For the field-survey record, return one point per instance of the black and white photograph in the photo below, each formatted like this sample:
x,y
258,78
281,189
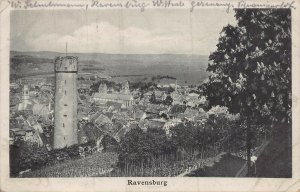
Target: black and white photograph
x,y
111,94
150,94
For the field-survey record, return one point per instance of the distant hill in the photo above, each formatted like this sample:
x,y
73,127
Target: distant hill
x,y
186,68
122,58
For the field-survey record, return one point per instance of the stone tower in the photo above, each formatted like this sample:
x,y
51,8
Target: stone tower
x,y
65,130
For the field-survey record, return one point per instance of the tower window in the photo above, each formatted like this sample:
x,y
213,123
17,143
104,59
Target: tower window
x,y
65,105
65,115
65,81
63,125
65,92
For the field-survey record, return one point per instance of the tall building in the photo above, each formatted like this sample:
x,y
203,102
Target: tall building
x,y
65,130
25,103
125,88
123,97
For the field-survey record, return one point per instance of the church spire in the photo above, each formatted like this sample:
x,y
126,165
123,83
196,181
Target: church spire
x,y
126,88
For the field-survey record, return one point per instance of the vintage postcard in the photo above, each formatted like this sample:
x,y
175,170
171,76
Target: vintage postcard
x,y
160,95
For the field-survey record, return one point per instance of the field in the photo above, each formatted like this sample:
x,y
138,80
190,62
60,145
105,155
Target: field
x,y
94,165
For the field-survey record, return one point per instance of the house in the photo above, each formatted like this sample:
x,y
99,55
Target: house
x,y
36,138
121,117
154,109
171,123
152,124
18,121
25,134
83,112
42,110
113,106
29,133
32,122
201,117
178,99
17,134
192,100
47,87
189,114
14,101
176,110
193,95
147,96
139,115
165,82
13,86
101,120
160,95
202,100
84,87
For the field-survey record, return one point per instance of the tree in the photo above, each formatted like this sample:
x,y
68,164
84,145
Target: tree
x,y
153,98
159,142
26,155
252,68
137,145
134,147
142,95
185,136
168,100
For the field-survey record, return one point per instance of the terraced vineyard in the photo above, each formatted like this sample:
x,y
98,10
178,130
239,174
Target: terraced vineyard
x,y
95,165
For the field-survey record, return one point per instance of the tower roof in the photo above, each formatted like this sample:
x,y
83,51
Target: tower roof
x,y
66,64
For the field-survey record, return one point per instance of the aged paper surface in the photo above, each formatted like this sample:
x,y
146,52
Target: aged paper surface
x,y
119,96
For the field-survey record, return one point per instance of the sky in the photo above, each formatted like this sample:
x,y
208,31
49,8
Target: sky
x,y
154,31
